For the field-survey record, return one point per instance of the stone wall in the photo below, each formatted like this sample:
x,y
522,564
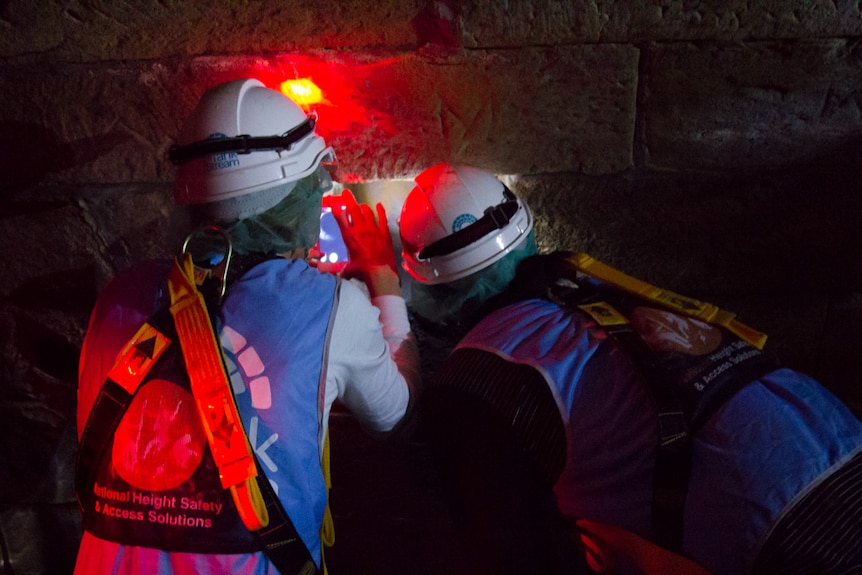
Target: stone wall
x,y
711,148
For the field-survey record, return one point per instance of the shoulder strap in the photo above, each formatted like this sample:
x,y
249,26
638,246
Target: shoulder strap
x,y
681,304
257,503
674,449
212,392
132,365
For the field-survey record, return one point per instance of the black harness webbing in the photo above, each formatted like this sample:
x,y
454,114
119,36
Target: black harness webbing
x,y
279,539
104,418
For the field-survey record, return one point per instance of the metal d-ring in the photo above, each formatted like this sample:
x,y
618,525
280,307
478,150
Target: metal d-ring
x,y
220,270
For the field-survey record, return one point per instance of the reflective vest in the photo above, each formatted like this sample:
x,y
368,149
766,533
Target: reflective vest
x,y
157,485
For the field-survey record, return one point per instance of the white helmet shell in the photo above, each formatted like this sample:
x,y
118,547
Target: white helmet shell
x,y
244,108
448,199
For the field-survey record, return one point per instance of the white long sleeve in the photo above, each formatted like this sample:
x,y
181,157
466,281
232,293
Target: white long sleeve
x,y
372,371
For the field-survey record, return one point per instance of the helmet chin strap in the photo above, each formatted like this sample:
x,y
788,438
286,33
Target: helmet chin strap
x,y
495,218
242,144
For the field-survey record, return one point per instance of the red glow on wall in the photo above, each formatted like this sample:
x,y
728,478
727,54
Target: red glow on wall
x,y
343,92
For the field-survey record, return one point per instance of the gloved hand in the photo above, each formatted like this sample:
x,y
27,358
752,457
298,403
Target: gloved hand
x,y
605,544
371,256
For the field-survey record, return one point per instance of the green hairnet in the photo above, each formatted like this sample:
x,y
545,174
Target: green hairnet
x,y
294,222
457,301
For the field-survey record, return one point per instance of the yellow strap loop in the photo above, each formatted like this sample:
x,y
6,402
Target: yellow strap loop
x,y
706,312
212,392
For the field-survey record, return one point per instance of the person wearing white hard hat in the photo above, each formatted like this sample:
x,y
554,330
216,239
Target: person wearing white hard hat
x,y
462,238
649,427
226,361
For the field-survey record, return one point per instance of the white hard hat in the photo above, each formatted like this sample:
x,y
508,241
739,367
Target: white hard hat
x,y
243,138
458,220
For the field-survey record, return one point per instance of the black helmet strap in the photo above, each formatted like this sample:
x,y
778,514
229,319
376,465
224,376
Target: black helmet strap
x,y
495,218
242,144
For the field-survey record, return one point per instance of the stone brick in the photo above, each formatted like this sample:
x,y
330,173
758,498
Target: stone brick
x,y
80,32
40,240
488,23
74,123
85,31
730,107
515,111
40,538
67,243
793,323
132,223
37,413
387,115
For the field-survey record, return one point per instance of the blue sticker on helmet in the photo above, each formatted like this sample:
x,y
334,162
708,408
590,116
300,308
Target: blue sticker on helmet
x,y
463,221
223,160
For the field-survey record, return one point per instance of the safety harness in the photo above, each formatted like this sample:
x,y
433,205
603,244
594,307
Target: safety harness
x,y
200,352
687,387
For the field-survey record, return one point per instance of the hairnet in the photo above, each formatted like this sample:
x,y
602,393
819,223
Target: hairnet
x,y
293,222
457,301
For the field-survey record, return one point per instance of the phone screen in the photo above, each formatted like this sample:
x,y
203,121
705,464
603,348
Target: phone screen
x,y
330,243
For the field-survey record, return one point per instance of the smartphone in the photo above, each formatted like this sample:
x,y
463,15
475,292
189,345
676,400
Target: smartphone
x,y
330,243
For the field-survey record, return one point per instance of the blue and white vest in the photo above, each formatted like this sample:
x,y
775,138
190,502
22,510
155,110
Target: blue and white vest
x,y
275,324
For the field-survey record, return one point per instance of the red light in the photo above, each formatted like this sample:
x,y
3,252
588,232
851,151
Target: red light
x,y
339,89
302,91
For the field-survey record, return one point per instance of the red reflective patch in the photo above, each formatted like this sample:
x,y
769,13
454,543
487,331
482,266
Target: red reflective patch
x,y
159,442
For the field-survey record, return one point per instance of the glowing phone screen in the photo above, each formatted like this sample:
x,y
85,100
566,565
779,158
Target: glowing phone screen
x,y
330,243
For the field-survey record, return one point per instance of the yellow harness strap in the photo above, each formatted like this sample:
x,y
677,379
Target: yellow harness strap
x,y
212,392
703,311
327,529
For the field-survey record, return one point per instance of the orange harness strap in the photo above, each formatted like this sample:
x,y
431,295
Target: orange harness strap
x,y
212,392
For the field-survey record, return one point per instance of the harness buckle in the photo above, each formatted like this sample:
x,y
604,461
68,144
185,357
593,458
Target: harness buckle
x,y
672,429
